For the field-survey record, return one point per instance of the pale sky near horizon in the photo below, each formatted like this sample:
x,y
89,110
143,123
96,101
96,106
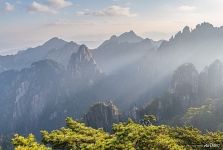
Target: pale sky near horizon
x,y
28,23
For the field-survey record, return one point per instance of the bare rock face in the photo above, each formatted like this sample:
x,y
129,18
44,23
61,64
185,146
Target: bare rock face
x,y
211,80
133,113
215,79
102,115
186,76
82,64
35,87
187,82
184,84
43,92
183,93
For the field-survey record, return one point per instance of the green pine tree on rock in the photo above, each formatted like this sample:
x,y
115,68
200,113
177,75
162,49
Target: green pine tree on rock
x,y
125,136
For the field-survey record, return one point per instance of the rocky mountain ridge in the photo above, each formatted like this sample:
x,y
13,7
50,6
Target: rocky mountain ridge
x,y
32,90
188,88
55,49
65,79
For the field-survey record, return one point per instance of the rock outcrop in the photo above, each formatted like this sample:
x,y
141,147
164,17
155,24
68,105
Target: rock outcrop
x,y
82,65
184,84
44,91
102,115
211,81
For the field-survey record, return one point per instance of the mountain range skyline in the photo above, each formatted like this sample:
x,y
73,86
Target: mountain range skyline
x,y
128,36
127,76
91,22
111,74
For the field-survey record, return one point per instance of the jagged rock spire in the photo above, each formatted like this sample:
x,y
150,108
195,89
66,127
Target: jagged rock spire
x,y
82,64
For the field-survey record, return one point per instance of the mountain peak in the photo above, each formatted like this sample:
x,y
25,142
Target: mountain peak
x,y
126,37
54,40
216,64
54,43
186,29
201,32
204,26
130,33
130,37
83,55
82,63
83,50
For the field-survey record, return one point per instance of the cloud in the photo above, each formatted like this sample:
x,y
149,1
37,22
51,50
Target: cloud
x,y
113,10
186,8
9,7
58,4
37,7
52,6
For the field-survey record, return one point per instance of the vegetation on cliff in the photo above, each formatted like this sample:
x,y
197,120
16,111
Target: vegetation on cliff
x,y
125,136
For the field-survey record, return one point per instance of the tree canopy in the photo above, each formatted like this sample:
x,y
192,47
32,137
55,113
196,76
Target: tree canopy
x,y
125,136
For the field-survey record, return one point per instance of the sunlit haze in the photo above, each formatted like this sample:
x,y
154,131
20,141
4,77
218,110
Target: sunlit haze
x,y
28,23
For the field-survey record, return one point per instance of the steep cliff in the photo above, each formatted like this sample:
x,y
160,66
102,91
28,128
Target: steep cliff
x,y
102,115
83,66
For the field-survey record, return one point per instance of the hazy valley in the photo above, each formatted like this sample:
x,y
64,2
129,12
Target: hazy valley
x,y
179,81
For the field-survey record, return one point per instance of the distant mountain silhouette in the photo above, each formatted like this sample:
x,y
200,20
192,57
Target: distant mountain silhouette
x,y
62,55
55,49
123,50
199,46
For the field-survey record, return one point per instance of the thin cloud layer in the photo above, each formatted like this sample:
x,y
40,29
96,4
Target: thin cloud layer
x,y
186,8
37,7
59,4
52,6
113,10
9,7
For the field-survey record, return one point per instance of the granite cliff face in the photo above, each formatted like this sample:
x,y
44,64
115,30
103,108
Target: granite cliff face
x,y
31,90
83,65
32,93
102,115
211,80
60,79
184,84
188,88
208,83
193,87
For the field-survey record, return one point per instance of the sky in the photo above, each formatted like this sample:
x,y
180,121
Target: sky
x,y
28,23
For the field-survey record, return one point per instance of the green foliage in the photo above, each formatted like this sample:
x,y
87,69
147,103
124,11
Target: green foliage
x,y
125,136
148,120
28,143
198,111
205,117
75,136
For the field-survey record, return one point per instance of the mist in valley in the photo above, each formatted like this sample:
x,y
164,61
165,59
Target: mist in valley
x,y
129,79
